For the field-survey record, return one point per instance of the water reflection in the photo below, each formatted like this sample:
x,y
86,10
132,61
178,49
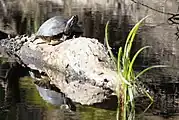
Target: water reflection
x,y
32,107
90,113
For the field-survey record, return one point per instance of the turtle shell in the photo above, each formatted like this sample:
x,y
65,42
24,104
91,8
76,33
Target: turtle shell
x,y
52,27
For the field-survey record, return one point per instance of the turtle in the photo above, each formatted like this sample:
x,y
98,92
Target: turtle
x,y
57,29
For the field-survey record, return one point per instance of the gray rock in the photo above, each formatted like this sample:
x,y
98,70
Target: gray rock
x,y
79,67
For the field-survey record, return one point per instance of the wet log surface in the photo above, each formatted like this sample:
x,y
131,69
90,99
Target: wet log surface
x,y
81,68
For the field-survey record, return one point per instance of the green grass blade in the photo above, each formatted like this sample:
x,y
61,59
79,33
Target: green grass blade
x,y
148,107
107,43
132,33
127,41
131,95
123,79
119,60
134,58
107,35
131,41
145,70
119,71
147,94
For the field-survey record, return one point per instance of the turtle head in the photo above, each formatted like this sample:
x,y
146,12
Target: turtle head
x,y
70,23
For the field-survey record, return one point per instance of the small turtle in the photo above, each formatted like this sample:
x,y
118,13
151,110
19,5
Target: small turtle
x,y
57,29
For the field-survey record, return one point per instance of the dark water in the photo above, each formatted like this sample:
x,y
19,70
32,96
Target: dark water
x,y
25,17
28,105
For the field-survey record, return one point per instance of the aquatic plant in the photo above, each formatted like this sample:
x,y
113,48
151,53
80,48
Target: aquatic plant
x,y
128,86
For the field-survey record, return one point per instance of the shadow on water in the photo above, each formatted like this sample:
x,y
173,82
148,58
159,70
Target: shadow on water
x,y
20,98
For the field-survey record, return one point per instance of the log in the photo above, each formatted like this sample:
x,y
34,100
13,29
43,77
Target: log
x,y
81,67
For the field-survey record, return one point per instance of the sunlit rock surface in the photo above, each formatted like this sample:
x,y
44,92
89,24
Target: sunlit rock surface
x,y
81,67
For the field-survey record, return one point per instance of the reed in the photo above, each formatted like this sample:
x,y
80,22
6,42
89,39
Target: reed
x,y
128,86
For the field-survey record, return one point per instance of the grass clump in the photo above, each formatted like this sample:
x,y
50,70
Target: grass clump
x,y
128,84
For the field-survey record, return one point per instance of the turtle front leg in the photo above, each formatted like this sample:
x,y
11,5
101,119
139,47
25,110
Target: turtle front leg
x,y
43,40
55,42
64,37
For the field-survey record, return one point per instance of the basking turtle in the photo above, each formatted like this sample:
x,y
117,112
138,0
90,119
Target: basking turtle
x,y
57,29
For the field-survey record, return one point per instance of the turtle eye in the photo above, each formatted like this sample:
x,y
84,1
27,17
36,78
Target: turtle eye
x,y
75,19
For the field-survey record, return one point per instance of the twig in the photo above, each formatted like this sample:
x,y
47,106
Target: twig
x,y
168,13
